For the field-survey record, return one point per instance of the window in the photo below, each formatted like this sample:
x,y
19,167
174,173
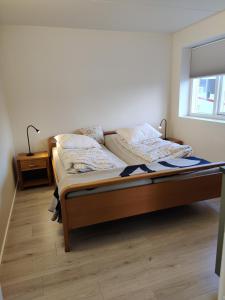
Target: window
x,y
207,97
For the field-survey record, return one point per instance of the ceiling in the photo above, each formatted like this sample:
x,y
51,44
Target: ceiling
x,y
123,15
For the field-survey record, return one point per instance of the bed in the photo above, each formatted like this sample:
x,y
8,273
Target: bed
x,y
106,196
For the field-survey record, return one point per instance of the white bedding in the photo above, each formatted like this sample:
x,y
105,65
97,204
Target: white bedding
x,y
121,152
85,160
62,172
149,151
63,179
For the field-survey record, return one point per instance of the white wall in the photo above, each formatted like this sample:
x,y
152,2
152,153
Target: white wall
x,y
60,79
7,186
207,138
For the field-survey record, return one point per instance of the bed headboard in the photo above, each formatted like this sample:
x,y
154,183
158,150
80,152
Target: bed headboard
x,y
51,144
52,141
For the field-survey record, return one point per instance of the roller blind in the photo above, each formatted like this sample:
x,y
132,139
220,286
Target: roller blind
x,y
208,59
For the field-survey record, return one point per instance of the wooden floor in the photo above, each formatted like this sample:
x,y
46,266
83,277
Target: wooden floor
x,y
168,255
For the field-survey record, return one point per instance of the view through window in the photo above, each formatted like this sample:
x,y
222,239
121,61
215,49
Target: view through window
x,y
208,96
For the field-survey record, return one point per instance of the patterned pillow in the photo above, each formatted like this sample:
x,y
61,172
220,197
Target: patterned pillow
x,y
96,132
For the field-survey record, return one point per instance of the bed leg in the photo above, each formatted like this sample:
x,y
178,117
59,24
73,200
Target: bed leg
x,y
66,241
67,248
66,229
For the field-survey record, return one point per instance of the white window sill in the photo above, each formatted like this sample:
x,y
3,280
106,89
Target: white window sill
x,y
220,121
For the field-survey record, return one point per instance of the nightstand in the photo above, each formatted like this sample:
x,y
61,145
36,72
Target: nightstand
x,y
33,170
174,140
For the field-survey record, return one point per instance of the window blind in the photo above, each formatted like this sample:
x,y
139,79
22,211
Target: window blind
x,y
208,59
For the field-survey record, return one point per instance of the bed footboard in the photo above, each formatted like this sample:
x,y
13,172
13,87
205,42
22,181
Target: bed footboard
x,y
96,208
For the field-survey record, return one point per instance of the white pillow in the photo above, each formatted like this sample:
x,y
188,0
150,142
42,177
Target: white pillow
x,y
138,133
149,132
96,132
131,135
76,141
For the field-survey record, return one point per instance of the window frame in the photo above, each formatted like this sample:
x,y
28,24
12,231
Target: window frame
x,y
216,115
222,81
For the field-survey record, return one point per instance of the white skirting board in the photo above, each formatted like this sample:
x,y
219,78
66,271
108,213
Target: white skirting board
x,y
222,275
7,227
1,297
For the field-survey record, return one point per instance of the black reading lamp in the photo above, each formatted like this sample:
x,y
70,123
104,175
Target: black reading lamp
x,y
28,140
160,127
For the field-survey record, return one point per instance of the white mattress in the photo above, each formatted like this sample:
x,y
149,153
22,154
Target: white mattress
x,y
111,142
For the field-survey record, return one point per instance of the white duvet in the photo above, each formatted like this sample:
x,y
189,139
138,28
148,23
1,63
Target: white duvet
x,y
85,160
157,149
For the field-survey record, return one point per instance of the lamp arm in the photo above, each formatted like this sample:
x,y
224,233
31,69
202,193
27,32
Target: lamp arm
x,y
28,139
32,127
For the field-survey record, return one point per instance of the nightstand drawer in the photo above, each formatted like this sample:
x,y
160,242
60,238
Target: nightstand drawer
x,y
32,164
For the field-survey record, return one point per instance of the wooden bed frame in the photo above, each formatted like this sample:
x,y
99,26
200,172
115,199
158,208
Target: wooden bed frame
x,y
85,210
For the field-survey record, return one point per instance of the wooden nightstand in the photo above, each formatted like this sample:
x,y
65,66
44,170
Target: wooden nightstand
x,y
33,170
174,140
